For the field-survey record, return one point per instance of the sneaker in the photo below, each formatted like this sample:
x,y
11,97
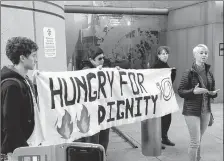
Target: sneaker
x,y
168,142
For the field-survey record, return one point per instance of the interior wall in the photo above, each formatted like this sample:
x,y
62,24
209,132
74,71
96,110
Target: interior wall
x,y
129,41
200,26
58,24
218,60
27,19
20,24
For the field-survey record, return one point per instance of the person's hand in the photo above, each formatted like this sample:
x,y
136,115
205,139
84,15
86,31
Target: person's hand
x,y
11,157
99,67
93,62
198,90
173,71
117,67
213,92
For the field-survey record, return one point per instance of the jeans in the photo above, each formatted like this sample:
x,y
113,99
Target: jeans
x,y
104,138
196,126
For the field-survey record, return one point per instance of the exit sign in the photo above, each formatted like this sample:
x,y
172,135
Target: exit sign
x,y
221,49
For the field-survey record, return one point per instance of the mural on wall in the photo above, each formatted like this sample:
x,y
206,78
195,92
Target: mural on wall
x,y
138,53
125,41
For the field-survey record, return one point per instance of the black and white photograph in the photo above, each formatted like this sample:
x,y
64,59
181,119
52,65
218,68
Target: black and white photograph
x,y
112,80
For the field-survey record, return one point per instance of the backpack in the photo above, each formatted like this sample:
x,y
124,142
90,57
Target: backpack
x,y
13,79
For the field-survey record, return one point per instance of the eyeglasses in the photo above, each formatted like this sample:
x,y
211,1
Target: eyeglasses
x,y
101,58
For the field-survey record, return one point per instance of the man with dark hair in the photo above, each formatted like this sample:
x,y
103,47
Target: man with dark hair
x,y
18,101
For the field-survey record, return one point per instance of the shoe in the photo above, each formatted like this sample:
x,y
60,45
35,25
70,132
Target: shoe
x,y
163,147
168,142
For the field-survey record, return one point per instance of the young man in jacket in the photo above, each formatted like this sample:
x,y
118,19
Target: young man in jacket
x,y
17,94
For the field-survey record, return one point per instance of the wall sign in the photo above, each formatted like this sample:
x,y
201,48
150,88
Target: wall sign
x,y
221,49
49,42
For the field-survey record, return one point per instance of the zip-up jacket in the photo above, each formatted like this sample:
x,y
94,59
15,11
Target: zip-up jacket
x,y
17,114
193,102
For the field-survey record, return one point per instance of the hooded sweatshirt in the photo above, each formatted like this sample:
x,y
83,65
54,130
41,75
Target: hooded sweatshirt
x,y
17,112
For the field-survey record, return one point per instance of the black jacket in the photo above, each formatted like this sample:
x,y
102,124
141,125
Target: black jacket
x,y
17,114
193,102
161,64
86,64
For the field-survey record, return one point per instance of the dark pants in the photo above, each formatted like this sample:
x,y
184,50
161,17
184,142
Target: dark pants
x,y
104,138
101,138
165,125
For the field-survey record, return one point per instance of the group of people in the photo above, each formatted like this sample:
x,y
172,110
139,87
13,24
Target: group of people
x,y
19,96
197,87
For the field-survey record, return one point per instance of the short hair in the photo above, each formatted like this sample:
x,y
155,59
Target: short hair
x,y
17,46
166,48
95,51
198,48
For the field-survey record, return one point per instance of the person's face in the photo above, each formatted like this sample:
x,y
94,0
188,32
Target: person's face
x,y
29,61
201,56
163,56
99,60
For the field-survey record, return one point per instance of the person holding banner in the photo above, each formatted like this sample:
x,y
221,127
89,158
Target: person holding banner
x,y
96,59
197,87
161,62
18,101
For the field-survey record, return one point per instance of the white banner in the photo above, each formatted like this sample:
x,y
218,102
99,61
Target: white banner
x,y
81,103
